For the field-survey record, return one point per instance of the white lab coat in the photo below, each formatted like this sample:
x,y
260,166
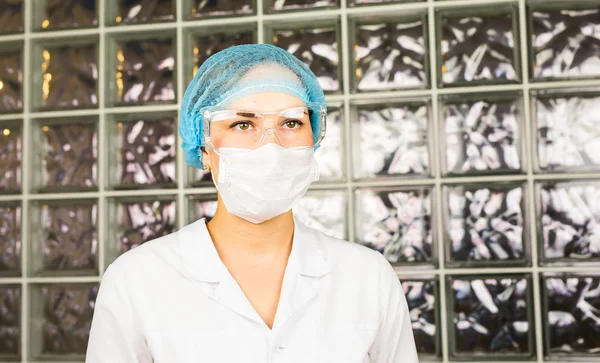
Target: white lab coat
x,y
172,300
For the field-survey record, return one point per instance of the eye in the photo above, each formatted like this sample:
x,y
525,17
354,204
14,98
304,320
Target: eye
x,y
242,126
293,124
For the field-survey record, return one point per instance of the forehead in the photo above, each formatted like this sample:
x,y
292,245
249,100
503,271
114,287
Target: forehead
x,y
265,102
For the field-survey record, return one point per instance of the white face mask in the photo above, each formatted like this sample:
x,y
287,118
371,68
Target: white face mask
x,y
263,183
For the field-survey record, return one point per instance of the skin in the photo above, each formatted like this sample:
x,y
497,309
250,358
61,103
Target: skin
x,y
256,255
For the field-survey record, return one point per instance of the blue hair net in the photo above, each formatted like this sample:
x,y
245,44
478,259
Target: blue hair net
x,y
222,79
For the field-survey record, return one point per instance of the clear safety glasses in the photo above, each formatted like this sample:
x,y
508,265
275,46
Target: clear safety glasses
x,y
299,126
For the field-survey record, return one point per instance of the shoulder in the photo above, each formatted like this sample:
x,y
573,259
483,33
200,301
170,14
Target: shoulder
x,y
151,262
349,258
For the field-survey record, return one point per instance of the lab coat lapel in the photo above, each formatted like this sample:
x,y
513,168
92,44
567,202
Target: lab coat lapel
x,y
307,265
230,295
201,263
306,268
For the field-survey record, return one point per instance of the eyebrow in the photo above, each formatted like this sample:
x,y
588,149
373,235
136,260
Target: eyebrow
x,y
247,114
253,114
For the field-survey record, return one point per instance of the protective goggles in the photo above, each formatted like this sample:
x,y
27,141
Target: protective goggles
x,y
299,126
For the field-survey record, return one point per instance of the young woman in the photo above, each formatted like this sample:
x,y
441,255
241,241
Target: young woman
x,y
253,284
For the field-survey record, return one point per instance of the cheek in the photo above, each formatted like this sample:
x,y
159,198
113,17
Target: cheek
x,y
214,164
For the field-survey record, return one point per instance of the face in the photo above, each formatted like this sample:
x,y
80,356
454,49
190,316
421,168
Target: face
x,y
261,102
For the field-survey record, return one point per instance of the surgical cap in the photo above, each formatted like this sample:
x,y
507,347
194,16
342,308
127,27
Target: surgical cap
x,y
237,72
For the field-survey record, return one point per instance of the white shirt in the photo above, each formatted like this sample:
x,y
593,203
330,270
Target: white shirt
x,y
172,300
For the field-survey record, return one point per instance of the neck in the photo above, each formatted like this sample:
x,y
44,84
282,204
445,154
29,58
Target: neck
x,y
233,235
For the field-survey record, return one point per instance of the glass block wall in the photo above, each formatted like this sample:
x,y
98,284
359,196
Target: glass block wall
x,y
463,144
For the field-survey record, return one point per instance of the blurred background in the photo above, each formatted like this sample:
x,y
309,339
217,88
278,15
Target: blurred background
x,y
463,144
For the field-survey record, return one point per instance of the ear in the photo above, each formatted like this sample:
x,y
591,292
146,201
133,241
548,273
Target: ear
x,y
205,157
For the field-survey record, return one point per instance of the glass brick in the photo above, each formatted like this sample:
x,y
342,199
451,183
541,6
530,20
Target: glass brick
x,y
485,225
68,154
323,211
567,132
144,11
390,54
206,45
564,41
203,206
571,311
136,221
10,240
10,157
203,8
64,238
477,46
421,296
490,317
329,155
393,140
279,5
199,177
397,223
68,78
145,71
481,135
10,323
11,16
11,81
54,15
144,152
317,47
569,221
61,320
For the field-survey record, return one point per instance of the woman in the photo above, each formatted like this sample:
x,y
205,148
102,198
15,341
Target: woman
x,y
253,284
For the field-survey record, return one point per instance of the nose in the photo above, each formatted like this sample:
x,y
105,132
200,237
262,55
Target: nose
x,y
269,136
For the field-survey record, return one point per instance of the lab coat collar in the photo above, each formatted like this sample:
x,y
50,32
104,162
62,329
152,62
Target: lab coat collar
x,y
201,261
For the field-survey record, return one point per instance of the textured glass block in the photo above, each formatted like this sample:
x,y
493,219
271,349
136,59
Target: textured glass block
x,y
69,76
397,223
66,14
485,224
323,211
278,5
481,136
68,238
571,315
203,8
390,55
11,16
317,47
478,47
10,240
143,11
569,221
10,157
421,296
145,153
203,206
69,156
490,316
142,221
565,41
393,140
10,322
206,45
200,177
567,132
11,81
329,155
145,71
64,319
